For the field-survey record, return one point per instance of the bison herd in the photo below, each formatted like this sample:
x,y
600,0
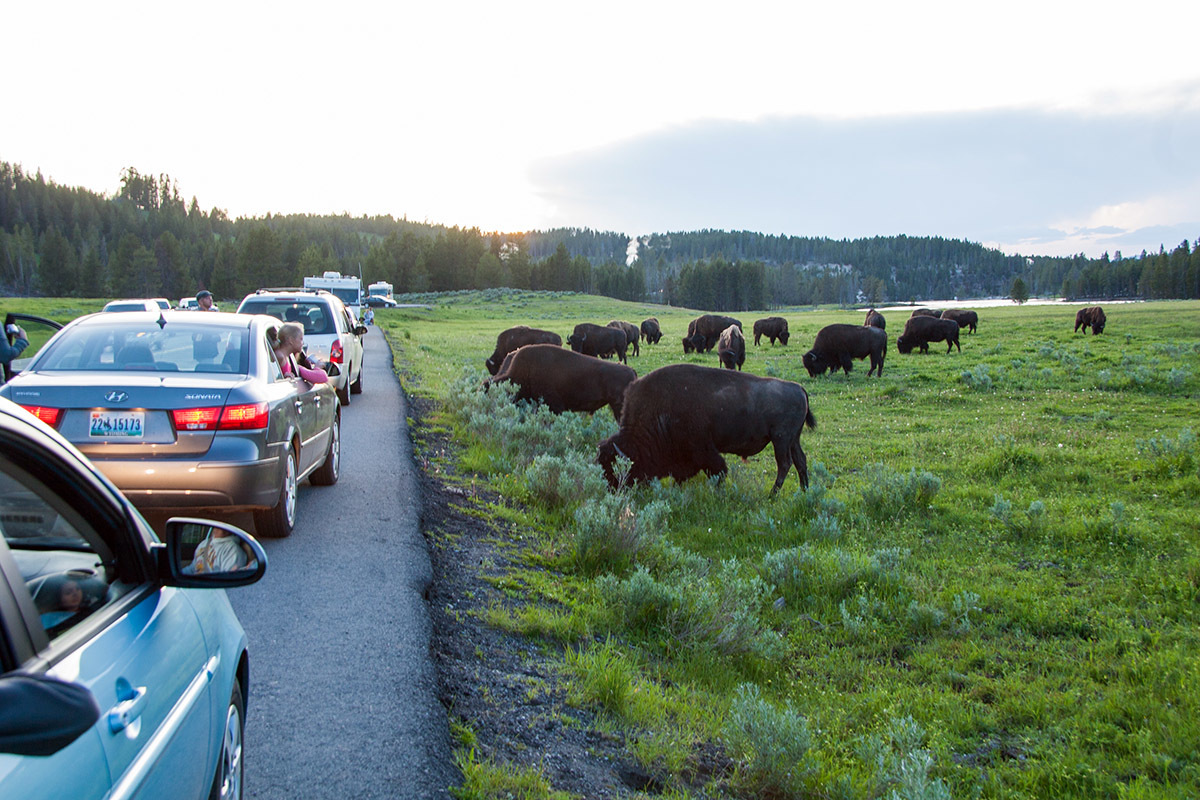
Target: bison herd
x,y
678,420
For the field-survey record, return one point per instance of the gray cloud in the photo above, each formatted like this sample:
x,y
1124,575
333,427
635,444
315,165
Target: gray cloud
x,y
997,176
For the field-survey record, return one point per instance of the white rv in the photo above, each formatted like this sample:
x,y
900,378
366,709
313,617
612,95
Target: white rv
x,y
347,288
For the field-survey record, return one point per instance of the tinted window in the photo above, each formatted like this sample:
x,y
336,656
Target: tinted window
x,y
314,315
173,348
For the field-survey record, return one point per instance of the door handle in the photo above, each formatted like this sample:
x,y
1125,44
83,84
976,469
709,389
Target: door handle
x,y
127,710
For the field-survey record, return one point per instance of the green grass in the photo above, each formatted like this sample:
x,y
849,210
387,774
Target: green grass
x,y
992,587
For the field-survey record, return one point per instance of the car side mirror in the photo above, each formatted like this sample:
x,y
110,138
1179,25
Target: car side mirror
x,y
204,554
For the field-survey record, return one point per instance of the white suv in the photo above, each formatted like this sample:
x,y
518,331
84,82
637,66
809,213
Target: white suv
x,y
330,333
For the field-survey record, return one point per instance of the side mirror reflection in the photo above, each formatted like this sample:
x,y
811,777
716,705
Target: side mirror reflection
x,y
202,552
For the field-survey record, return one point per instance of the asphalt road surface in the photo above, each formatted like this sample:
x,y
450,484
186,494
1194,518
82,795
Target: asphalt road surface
x,y
343,695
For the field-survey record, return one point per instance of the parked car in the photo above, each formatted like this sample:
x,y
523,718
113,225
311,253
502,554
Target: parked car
x,y
93,603
186,411
132,305
188,304
330,331
379,301
163,303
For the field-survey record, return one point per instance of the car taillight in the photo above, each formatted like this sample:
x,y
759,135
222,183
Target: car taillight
x,y
245,418
50,416
196,419
335,352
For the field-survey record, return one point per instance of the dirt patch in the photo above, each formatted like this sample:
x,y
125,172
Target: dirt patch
x,y
505,688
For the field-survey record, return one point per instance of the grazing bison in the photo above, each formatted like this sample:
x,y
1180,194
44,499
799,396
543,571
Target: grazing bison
x,y
731,347
925,312
633,334
875,320
839,344
519,336
651,332
773,328
709,327
679,419
1092,316
964,318
920,331
598,340
565,380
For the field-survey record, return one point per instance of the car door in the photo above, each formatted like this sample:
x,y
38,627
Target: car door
x,y
136,644
39,330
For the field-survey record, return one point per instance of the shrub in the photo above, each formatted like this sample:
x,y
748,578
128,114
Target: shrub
x,y
978,379
609,533
830,574
924,618
900,764
960,609
890,494
602,676
772,745
1170,456
557,481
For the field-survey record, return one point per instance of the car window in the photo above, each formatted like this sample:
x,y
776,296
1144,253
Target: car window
x,y
68,570
314,315
177,347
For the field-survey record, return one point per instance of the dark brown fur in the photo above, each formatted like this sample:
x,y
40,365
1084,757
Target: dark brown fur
x,y
925,312
679,419
651,331
731,348
1093,317
773,328
513,338
965,319
598,340
633,334
565,380
920,331
875,320
709,326
839,344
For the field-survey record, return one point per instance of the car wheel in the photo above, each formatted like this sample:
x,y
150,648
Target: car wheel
x,y
327,473
227,782
344,392
357,386
277,522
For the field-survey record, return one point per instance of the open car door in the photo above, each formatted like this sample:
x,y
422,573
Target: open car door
x,y
38,329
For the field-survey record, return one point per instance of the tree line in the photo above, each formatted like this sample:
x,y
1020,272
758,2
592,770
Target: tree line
x,y
146,241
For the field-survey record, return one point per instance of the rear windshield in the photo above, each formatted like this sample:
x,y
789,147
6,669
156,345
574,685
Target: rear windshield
x,y
125,307
176,347
315,316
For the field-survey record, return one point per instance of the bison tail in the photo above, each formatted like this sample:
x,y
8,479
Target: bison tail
x,y
810,420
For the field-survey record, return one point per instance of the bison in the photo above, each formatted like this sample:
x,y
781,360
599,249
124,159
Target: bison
x,y
519,336
839,344
679,419
773,328
925,312
708,327
1092,316
598,340
565,380
633,334
731,347
920,331
875,320
964,318
651,332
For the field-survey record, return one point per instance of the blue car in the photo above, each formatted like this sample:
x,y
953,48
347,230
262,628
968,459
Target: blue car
x,y
123,668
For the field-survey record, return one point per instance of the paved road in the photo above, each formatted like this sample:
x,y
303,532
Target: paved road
x,y
343,700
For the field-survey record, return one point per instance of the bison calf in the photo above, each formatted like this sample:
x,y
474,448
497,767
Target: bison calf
x,y
920,331
839,344
679,419
731,348
565,380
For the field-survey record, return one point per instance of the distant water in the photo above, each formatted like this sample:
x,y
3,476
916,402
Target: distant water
x,y
994,302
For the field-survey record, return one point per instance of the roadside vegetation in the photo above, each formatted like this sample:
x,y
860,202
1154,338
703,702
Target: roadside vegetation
x,y
990,589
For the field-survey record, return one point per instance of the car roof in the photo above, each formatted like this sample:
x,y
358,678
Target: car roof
x,y
220,319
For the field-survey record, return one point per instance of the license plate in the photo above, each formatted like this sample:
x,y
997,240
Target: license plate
x,y
126,424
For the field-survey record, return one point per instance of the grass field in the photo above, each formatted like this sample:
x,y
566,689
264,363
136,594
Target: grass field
x,y
991,588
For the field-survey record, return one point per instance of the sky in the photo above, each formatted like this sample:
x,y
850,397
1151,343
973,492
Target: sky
x,y
1039,128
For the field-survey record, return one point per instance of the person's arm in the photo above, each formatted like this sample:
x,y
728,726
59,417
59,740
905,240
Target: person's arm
x,y
10,351
313,375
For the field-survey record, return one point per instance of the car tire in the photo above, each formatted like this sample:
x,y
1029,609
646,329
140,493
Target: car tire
x,y
228,778
357,386
278,522
327,473
343,393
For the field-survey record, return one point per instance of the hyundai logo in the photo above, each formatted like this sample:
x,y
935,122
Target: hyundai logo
x,y
116,397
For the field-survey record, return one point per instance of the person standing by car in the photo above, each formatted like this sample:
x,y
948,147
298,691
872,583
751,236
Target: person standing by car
x,y
10,351
204,299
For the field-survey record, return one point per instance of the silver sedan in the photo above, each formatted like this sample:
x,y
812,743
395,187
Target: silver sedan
x,y
186,412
